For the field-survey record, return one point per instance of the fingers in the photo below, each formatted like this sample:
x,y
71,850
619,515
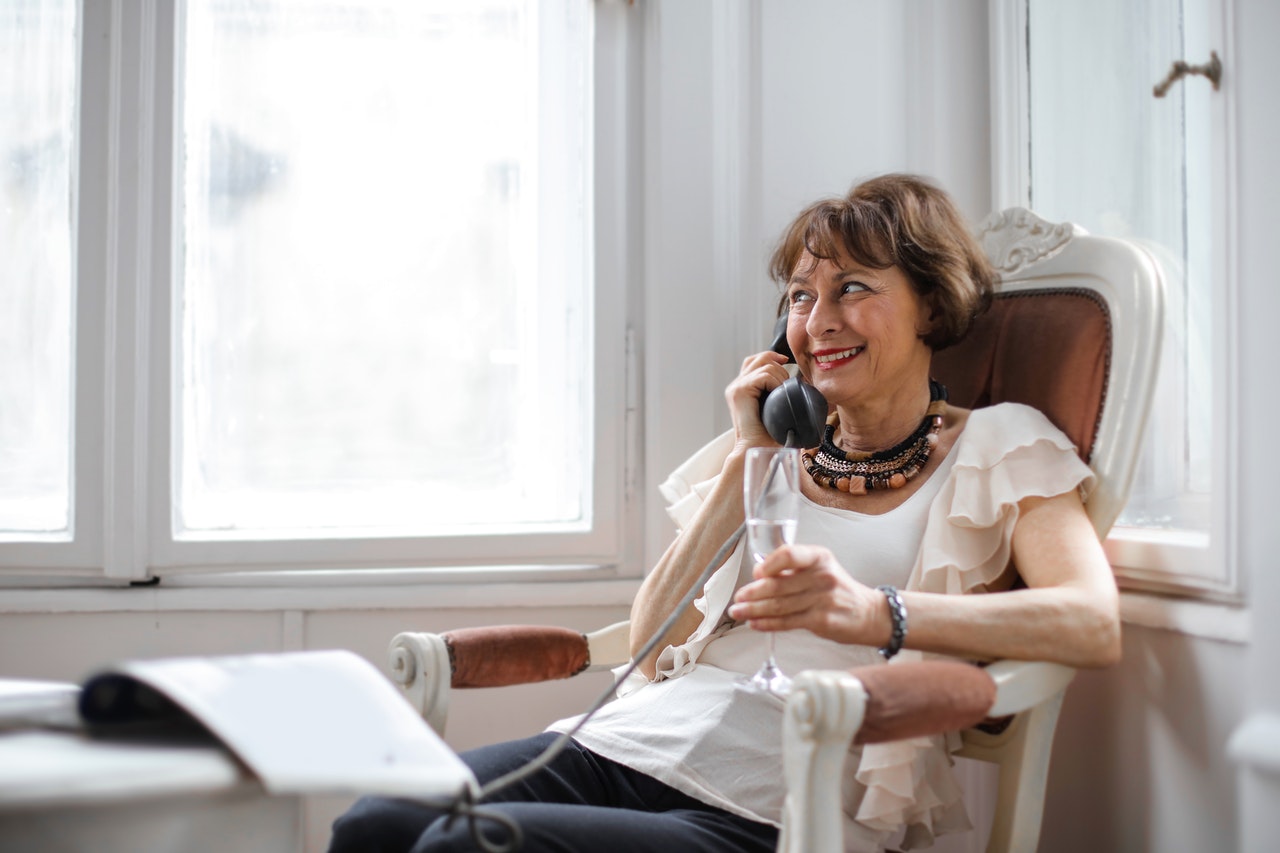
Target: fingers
x,y
767,357
792,581
792,558
781,611
760,374
804,586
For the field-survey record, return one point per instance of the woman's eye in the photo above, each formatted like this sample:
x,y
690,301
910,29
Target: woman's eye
x,y
799,298
853,287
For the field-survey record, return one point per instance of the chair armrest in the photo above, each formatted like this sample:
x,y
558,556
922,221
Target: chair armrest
x,y
428,666
925,698
501,655
609,646
827,710
1022,684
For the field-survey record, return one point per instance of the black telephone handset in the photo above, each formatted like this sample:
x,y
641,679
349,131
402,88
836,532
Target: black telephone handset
x,y
795,412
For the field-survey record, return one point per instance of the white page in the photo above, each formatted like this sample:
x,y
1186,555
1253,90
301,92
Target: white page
x,y
309,722
25,703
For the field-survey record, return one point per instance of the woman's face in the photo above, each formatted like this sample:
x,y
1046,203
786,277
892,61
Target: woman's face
x,y
855,331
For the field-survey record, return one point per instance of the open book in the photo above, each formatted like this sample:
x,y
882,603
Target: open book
x,y
302,722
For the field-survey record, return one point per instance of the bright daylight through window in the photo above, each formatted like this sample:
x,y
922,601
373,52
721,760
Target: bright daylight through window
x,y
37,102
384,267
1108,155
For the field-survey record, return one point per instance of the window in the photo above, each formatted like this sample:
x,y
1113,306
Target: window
x,y
1097,148
37,109
352,312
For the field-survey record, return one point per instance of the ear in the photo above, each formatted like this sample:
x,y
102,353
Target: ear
x,y
926,320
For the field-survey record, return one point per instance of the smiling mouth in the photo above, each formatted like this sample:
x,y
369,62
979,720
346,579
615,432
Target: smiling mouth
x,y
831,357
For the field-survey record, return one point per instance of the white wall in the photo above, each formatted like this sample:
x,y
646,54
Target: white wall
x,y
1255,29
1140,758
753,109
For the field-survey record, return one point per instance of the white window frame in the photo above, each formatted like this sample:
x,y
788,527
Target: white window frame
x,y
126,257
1189,563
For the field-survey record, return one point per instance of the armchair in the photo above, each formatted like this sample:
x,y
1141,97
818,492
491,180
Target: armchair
x,y
1075,332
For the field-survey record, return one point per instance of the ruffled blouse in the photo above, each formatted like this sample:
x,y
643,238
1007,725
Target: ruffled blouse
x,y
1005,453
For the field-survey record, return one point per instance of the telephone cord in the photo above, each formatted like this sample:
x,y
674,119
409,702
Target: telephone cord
x,y
473,812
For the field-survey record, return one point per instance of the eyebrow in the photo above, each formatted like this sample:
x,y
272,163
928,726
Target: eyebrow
x,y
859,270
844,273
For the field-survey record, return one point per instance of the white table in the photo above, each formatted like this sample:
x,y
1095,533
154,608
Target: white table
x,y
309,723
62,791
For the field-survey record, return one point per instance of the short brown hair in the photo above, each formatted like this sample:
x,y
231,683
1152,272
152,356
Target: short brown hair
x,y
903,221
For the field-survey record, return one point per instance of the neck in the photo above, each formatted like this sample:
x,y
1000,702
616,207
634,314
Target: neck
x,y
877,425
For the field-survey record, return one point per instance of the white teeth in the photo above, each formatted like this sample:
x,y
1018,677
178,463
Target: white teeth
x,y
835,356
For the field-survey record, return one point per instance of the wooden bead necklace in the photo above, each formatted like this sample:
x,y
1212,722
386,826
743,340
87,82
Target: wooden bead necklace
x,y
858,472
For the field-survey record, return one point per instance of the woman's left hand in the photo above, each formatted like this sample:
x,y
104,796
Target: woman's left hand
x,y
803,586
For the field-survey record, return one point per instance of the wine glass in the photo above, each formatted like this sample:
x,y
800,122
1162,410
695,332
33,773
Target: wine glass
x,y
771,491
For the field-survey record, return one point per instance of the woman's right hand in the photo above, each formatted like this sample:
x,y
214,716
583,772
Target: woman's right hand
x,y
760,374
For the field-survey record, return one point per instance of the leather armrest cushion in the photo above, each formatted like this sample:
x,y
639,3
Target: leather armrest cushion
x,y
925,698
514,654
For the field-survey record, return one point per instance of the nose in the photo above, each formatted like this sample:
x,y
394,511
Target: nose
x,y
823,319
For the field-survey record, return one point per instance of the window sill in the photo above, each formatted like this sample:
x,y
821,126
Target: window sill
x,y
407,589
1207,620
1171,562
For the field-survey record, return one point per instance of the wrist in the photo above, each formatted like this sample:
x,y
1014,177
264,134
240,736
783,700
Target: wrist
x,y
893,613
745,442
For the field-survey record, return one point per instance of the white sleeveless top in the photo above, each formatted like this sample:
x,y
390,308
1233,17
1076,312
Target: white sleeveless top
x,y
697,729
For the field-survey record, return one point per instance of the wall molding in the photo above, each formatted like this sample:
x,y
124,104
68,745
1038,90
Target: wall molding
x,y
294,593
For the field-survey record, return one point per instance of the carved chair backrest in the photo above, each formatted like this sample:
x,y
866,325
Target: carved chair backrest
x,y
1075,332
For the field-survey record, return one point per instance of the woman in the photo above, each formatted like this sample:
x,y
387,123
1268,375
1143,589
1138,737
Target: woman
x,y
906,503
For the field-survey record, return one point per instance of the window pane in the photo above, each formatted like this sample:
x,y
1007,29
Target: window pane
x,y
384,308
1107,154
37,100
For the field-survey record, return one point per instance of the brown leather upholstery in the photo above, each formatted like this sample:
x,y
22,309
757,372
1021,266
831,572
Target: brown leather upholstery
x,y
1048,349
922,698
514,654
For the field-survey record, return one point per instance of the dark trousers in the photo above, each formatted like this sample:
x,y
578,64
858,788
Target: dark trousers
x,y
580,803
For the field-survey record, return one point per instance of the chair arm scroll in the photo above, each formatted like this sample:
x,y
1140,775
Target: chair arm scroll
x,y
420,665
824,710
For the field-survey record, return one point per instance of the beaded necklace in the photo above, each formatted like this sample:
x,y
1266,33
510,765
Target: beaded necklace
x,y
858,472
